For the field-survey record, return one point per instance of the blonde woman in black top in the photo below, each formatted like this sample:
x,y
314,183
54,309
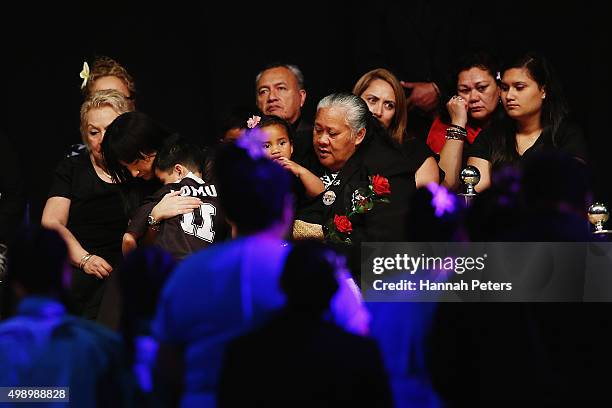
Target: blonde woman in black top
x,y
84,205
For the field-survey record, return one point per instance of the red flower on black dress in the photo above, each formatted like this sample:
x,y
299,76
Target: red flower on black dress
x,y
380,185
340,227
343,224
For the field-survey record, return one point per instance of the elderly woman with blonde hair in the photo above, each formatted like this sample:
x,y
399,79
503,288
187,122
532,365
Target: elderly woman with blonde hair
x,y
85,206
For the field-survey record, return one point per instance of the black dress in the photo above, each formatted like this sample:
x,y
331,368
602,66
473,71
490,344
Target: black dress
x,y
97,220
385,222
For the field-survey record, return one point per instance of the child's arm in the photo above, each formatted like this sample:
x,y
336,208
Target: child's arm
x,y
138,229
312,184
129,243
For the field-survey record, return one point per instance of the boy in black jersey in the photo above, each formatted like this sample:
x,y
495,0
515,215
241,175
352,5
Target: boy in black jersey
x,y
179,166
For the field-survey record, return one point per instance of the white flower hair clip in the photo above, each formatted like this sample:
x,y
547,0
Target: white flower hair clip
x,y
253,121
84,74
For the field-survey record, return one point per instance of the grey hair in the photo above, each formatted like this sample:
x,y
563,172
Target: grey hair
x,y
357,111
293,68
108,97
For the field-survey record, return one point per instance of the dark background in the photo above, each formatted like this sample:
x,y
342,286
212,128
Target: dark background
x,y
192,64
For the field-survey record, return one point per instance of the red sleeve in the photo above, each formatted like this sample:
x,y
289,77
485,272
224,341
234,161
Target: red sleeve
x,y
437,135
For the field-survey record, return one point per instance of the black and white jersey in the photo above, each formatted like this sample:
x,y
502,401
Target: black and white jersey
x,y
187,233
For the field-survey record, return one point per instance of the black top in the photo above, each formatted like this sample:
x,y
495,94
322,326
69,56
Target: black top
x,y
416,151
97,219
385,221
569,139
187,233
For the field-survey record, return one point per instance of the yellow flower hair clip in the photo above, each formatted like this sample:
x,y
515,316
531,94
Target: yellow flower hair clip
x,y
84,74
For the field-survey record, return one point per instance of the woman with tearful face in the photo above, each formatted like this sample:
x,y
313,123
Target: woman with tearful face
x,y
474,107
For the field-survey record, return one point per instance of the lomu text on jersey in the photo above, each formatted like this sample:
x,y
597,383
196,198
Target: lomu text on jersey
x,y
208,190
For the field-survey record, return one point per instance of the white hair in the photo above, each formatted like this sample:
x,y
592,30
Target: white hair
x,y
357,111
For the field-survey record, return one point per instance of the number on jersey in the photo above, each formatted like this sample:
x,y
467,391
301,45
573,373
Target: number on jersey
x,y
199,222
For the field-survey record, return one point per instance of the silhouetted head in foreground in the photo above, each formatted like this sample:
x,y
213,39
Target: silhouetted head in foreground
x,y
309,278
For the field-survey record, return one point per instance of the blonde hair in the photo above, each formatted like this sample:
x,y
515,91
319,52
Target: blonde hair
x,y
106,66
397,127
107,97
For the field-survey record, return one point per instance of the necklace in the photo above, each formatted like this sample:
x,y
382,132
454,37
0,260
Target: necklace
x,y
97,167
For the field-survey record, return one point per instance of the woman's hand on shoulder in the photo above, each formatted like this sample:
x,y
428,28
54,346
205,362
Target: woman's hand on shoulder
x,y
173,204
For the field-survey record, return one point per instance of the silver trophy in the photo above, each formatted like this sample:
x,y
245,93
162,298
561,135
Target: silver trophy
x,y
470,176
598,215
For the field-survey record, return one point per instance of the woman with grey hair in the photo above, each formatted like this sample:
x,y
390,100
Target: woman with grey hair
x,y
367,182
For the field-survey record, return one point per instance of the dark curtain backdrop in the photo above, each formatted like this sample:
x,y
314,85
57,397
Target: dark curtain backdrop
x,y
193,63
